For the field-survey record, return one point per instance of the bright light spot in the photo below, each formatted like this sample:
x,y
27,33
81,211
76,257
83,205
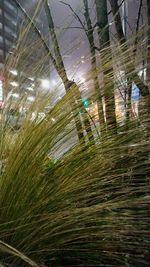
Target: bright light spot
x,y
30,98
41,115
86,103
45,83
142,73
21,109
83,80
53,119
15,95
14,72
33,116
30,89
15,84
82,61
53,82
31,78
1,91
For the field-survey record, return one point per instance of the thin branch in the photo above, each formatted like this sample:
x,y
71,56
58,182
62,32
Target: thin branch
x,y
97,48
66,28
139,15
75,14
118,6
38,33
137,26
111,12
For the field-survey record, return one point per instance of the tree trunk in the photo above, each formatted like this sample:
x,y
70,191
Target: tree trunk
x,y
117,20
103,32
77,107
148,51
93,66
63,75
129,62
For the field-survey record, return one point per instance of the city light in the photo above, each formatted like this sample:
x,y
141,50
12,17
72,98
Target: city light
x,y
142,72
15,84
30,98
15,95
30,89
14,72
86,103
1,91
82,80
45,83
31,78
53,82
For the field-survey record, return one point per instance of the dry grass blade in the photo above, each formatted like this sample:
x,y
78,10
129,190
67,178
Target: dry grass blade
x,y
10,250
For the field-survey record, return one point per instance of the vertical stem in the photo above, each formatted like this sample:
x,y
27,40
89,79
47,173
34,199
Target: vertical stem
x,y
93,66
103,32
148,50
62,73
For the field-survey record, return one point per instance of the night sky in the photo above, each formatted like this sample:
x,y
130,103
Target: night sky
x,y
73,41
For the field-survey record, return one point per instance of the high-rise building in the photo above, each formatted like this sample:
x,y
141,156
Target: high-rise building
x,y
8,27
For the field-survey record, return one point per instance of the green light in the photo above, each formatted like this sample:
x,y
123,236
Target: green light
x,y
86,103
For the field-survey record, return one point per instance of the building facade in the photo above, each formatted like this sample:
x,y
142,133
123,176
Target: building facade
x,y
8,28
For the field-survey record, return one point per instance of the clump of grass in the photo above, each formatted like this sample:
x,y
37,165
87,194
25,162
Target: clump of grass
x,y
89,208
